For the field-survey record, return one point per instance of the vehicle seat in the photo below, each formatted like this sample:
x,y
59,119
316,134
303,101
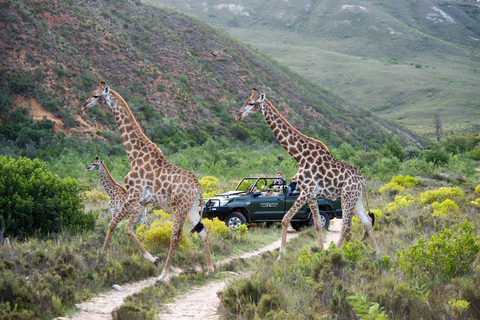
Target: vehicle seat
x,y
264,191
276,191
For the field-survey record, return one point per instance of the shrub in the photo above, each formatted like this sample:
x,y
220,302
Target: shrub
x,y
399,183
35,201
436,154
440,194
216,226
400,202
95,196
209,186
477,189
446,255
157,236
445,208
365,309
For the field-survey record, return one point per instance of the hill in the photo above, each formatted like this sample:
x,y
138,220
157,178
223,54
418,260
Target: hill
x,y
183,79
402,60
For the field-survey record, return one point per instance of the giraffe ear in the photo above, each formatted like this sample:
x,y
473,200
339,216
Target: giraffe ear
x,y
101,161
107,89
262,97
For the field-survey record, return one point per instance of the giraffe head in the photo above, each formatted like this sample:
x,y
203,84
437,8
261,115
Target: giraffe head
x,y
251,105
96,165
97,96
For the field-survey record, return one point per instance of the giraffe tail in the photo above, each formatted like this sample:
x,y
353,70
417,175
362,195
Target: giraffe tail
x,y
370,214
199,226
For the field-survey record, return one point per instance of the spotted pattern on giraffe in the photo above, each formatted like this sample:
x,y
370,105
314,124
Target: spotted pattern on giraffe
x,y
319,173
152,179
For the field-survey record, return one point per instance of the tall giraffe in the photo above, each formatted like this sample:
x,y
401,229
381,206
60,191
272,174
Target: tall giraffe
x,y
152,179
319,173
116,192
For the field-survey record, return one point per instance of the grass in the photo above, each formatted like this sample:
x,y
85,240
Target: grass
x,y
401,93
75,268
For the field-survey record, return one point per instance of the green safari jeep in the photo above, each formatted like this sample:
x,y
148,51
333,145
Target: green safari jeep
x,y
254,200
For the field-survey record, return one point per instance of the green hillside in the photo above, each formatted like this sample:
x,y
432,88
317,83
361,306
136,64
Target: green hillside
x,y
402,60
161,62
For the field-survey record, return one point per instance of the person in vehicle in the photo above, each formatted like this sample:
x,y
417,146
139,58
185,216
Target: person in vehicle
x,y
292,186
279,181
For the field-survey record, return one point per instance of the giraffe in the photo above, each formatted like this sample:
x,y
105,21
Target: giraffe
x,y
319,173
152,179
117,193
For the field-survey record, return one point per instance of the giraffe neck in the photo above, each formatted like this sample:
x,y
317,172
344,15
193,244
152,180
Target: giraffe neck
x,y
135,142
289,137
111,186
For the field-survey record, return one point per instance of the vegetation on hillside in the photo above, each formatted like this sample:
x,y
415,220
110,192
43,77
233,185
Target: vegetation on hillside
x,y
403,61
161,62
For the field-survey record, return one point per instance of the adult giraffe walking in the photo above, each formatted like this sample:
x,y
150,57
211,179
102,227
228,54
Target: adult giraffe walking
x,y
319,173
152,179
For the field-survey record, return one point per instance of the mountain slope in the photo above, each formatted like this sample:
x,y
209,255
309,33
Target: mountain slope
x,y
403,60
179,75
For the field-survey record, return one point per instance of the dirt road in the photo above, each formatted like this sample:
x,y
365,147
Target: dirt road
x,y
198,303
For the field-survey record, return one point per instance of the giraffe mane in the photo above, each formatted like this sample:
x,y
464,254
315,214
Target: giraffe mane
x,y
134,122
321,144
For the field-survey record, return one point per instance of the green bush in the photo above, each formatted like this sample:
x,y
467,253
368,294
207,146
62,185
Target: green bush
x,y
440,194
445,256
398,183
35,201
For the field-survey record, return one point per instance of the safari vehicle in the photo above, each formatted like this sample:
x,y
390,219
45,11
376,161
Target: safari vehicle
x,y
254,201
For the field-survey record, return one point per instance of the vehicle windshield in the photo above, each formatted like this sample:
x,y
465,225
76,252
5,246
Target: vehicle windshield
x,y
249,184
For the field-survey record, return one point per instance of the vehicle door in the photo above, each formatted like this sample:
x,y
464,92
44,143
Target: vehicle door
x,y
267,208
302,214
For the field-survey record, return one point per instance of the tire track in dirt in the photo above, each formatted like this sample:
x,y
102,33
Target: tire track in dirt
x,y
197,303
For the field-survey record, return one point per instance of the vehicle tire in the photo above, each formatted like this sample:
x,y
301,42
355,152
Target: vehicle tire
x,y
235,219
323,217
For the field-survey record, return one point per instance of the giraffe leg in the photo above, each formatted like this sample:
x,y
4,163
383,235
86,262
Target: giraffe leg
x,y
139,210
347,213
144,219
195,219
313,204
177,228
127,206
300,202
367,223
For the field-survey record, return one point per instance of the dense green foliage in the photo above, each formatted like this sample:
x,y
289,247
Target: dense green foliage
x,y
35,201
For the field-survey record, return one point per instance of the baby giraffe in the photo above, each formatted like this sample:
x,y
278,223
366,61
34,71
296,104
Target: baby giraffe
x,y
117,193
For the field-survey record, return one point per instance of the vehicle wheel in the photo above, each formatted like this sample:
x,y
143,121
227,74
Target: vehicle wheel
x,y
325,219
235,219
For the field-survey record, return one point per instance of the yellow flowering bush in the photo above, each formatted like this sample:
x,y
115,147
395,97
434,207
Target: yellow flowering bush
x,y
209,186
216,226
445,208
476,203
400,202
95,196
399,183
440,194
477,189
157,237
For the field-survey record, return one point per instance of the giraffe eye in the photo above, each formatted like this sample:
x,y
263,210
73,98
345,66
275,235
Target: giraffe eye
x,y
96,97
252,104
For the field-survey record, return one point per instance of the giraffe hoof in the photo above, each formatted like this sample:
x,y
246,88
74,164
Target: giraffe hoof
x,y
160,280
156,262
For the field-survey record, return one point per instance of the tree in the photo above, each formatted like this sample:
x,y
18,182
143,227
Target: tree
x,y
437,125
